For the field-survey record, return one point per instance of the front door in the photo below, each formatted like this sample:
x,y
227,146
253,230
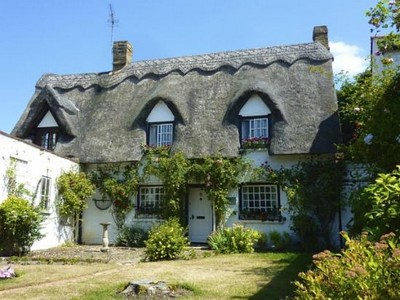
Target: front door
x,y
200,216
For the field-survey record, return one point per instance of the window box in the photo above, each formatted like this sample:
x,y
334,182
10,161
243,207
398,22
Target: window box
x,y
256,143
259,215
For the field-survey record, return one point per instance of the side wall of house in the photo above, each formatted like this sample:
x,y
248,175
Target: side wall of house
x,y
31,165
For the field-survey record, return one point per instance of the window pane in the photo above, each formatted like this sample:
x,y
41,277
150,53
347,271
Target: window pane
x,y
44,192
257,199
150,200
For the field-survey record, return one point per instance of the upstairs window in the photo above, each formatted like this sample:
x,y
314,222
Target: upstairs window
x,y
47,138
47,132
160,124
45,192
254,130
161,134
254,127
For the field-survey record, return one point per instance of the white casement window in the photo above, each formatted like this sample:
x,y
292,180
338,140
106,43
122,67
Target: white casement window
x,y
254,128
259,201
45,192
150,198
161,134
49,140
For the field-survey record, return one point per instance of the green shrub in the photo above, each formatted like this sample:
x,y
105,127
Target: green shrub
x,y
19,225
236,239
306,229
280,241
365,270
166,240
377,206
132,236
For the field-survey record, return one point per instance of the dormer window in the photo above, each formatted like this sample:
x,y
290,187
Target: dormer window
x,y
254,127
254,130
47,137
161,134
160,124
47,132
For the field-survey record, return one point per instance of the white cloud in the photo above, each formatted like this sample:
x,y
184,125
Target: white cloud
x,y
348,58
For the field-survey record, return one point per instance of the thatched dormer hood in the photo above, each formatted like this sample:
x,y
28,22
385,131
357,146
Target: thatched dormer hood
x,y
102,116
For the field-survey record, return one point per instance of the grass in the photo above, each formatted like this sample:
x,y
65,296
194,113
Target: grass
x,y
239,276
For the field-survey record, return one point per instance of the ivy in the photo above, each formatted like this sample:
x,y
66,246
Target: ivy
x,y
117,182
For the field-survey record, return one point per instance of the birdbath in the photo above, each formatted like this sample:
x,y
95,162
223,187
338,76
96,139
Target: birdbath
x,y
105,236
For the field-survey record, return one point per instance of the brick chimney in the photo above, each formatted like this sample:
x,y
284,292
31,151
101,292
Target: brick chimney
x,y
122,54
320,34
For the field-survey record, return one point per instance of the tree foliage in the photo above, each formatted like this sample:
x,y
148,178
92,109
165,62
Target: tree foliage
x,y
369,109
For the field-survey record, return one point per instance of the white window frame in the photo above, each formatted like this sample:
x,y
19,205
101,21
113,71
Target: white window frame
x,y
260,198
150,199
254,127
160,134
45,188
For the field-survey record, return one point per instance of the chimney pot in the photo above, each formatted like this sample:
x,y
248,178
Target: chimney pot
x,y
320,34
122,54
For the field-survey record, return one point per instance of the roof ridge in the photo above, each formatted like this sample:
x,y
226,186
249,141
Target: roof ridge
x,y
184,64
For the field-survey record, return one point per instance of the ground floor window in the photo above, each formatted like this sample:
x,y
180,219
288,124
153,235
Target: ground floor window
x,y
149,201
260,202
45,192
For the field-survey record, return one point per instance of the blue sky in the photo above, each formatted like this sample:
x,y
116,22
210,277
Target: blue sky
x,y
74,36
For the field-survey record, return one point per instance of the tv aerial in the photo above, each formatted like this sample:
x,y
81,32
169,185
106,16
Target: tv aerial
x,y
112,21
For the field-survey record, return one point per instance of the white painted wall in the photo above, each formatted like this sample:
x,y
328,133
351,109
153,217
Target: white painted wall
x,y
378,66
160,113
33,163
254,107
48,121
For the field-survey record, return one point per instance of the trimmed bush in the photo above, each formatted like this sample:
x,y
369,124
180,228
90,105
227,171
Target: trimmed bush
x,y
19,226
166,240
132,236
280,241
236,239
365,270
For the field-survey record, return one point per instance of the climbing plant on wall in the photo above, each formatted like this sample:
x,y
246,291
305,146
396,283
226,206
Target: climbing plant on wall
x,y
172,170
220,175
217,173
13,187
313,190
118,183
74,188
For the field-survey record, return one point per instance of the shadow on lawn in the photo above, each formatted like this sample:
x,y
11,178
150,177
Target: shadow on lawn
x,y
285,272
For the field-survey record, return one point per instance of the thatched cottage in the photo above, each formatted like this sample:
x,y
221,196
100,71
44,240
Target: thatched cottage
x,y
199,105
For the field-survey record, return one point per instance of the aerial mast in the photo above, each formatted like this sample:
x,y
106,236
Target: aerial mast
x,y
113,22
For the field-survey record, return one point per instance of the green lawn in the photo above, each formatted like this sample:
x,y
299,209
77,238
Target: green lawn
x,y
239,276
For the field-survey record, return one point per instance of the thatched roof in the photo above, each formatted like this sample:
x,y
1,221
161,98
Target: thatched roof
x,y
103,116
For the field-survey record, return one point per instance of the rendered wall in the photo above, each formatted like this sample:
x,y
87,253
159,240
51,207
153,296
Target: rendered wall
x,y
31,163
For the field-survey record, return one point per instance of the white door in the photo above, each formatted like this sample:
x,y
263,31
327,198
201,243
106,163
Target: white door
x,y
200,216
